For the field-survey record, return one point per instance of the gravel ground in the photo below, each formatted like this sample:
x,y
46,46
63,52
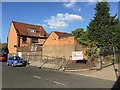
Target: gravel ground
x,y
80,64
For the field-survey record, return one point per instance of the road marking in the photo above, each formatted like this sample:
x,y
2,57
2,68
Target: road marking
x,y
38,77
58,83
48,79
55,82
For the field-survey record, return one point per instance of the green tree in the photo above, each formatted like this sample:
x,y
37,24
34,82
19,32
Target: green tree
x,y
103,29
80,35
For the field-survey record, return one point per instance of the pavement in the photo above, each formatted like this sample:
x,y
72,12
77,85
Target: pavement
x,y
107,73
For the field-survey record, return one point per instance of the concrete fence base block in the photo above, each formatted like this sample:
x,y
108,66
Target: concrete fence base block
x,y
75,70
41,63
62,69
52,66
34,63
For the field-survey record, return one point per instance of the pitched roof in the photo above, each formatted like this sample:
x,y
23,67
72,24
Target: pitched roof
x,y
63,34
23,29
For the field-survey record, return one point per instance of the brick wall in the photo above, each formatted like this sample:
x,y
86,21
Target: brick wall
x,y
41,41
59,47
54,40
64,51
12,39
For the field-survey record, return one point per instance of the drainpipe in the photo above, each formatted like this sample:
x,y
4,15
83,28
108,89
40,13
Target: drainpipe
x,y
18,41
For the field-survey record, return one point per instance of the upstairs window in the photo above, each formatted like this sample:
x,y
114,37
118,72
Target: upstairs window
x,y
32,30
24,40
34,40
44,35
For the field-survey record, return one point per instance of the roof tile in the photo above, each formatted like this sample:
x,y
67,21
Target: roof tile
x,y
22,29
63,34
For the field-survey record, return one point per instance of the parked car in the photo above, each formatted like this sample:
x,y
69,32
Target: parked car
x,y
15,61
3,57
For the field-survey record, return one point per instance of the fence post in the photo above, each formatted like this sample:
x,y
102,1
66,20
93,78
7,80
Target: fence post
x,y
28,55
40,58
100,60
62,64
114,55
114,61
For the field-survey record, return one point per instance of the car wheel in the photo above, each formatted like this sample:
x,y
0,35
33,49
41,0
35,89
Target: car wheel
x,y
12,65
7,64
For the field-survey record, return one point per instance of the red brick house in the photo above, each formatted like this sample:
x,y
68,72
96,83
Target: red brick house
x,y
22,34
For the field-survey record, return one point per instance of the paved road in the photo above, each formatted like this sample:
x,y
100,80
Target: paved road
x,y
33,77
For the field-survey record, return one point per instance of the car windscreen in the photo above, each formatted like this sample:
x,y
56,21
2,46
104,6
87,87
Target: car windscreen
x,y
2,54
16,58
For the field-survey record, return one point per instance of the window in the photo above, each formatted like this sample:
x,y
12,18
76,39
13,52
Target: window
x,y
16,58
24,40
36,31
39,44
32,30
18,41
10,58
45,35
41,35
15,46
34,40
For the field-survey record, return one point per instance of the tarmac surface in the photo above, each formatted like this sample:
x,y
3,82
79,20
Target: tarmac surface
x,y
33,77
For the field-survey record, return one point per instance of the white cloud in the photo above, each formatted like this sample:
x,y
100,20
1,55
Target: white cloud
x,y
69,4
72,5
93,2
61,20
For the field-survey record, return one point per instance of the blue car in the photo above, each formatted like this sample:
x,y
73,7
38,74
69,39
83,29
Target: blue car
x,y
15,61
